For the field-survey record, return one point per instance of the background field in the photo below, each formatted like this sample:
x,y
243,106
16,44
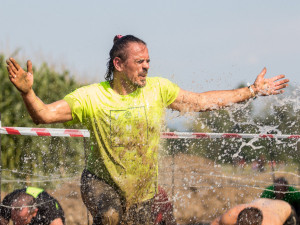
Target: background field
x,y
201,190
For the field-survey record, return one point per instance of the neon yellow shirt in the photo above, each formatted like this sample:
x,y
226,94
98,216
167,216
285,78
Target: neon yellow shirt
x,y
125,133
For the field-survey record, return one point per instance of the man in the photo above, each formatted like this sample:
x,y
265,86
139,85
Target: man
x,y
31,206
258,212
124,116
283,191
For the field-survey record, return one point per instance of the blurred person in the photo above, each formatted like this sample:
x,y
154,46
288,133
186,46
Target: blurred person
x,y
259,212
124,116
261,163
283,191
32,206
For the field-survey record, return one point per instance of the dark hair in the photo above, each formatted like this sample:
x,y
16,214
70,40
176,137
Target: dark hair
x,y
250,216
24,200
280,180
119,50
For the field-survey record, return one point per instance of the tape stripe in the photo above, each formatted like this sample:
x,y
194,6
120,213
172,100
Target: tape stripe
x,y
54,132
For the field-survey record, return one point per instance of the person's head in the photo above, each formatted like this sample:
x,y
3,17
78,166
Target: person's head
x,y
280,187
23,209
129,57
250,216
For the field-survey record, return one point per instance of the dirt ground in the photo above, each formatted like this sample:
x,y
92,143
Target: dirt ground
x,y
199,189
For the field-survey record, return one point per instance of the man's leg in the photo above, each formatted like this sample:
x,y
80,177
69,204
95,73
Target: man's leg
x,y
140,214
102,200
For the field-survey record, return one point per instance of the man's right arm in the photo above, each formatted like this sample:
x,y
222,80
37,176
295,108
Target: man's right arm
x,y
40,112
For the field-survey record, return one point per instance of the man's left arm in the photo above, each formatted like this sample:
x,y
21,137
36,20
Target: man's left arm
x,y
187,101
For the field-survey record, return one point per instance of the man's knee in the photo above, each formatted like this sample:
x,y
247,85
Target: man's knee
x,y
109,210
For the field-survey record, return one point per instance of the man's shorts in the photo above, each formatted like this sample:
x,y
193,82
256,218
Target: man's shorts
x,y
101,199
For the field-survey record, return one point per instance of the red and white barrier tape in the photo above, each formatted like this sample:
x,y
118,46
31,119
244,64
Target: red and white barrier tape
x,y
175,135
45,132
53,132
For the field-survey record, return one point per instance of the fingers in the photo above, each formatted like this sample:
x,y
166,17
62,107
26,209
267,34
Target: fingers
x,y
29,67
277,77
11,68
285,81
11,73
278,92
263,72
278,87
16,65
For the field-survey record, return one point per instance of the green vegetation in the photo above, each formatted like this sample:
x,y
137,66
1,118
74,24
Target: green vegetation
x,y
47,156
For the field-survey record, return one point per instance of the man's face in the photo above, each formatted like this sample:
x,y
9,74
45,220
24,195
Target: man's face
x,y
135,67
22,216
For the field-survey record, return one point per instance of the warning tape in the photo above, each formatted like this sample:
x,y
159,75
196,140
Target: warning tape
x,y
50,132
54,132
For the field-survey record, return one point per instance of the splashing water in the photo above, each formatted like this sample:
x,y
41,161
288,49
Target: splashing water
x,y
209,176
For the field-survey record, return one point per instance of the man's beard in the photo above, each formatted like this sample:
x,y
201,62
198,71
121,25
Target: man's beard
x,y
140,84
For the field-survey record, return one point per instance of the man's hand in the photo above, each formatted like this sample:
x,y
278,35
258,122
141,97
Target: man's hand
x,y
271,86
22,80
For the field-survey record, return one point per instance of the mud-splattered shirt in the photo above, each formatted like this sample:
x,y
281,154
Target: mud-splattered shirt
x,y
125,133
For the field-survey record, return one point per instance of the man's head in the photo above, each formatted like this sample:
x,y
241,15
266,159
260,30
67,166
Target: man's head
x,y
250,216
130,59
280,188
23,209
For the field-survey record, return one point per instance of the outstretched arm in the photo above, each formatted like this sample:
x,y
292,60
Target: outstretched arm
x,y
187,101
39,111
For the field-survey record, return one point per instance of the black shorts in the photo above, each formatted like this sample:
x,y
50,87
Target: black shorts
x,y
101,200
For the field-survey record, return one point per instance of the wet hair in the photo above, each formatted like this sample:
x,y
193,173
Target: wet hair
x,y
24,200
250,216
281,180
119,49
280,188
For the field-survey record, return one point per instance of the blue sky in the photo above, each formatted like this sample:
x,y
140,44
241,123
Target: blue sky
x,y
200,45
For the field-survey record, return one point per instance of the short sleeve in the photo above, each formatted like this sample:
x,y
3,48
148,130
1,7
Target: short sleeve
x,y
169,91
76,101
49,208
